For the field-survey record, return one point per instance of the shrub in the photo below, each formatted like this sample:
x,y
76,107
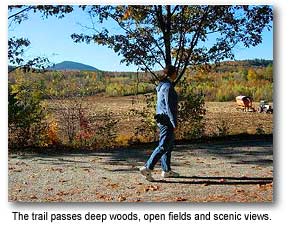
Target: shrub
x,y
26,114
191,112
81,128
222,128
124,139
52,133
86,130
260,129
146,131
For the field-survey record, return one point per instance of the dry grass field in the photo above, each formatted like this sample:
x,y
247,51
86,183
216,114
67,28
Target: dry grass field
x,y
218,114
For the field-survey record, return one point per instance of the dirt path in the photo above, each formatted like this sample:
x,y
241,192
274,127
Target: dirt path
x,y
235,171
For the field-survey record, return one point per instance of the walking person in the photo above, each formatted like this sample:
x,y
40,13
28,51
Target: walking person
x,y
166,117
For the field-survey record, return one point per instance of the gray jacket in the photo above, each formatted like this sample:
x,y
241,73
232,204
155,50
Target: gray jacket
x,y
167,101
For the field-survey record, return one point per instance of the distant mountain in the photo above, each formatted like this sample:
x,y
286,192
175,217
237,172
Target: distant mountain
x,y
72,66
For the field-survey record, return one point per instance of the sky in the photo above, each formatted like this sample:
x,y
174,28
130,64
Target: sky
x,y
51,38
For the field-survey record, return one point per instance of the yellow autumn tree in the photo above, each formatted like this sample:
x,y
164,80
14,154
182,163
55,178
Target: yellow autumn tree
x,y
252,75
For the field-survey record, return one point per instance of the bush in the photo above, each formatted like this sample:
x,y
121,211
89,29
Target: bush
x,y
81,129
223,128
191,112
146,131
26,114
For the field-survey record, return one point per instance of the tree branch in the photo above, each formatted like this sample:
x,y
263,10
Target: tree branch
x,y
167,37
181,42
155,76
193,44
21,11
139,40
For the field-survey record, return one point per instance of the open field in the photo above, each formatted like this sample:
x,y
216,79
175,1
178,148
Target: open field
x,y
218,114
238,121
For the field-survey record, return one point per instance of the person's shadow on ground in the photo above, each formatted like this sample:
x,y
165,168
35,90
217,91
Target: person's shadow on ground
x,y
220,180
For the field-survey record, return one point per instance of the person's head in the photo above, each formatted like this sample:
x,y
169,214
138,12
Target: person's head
x,y
170,72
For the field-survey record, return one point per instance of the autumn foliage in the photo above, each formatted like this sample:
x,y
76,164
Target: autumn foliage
x,y
50,108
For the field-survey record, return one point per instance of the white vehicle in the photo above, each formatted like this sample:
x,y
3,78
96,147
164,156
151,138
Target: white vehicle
x,y
265,107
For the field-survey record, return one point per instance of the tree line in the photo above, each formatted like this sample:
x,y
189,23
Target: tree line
x,y
221,83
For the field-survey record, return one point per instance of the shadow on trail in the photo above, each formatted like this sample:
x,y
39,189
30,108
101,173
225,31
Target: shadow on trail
x,y
253,152
239,152
199,180
228,178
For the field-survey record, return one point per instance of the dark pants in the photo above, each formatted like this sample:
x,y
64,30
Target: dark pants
x,y
164,149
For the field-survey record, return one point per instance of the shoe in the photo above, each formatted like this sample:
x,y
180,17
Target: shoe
x,y
169,174
147,173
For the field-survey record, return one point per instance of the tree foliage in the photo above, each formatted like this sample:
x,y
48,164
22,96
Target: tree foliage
x,y
161,35
25,112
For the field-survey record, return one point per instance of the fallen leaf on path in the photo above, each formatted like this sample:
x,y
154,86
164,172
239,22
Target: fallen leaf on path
x,y
62,181
112,185
180,199
257,167
21,163
151,188
121,198
17,170
33,197
105,197
54,199
131,187
57,169
62,193
265,186
32,176
87,169
240,191
95,159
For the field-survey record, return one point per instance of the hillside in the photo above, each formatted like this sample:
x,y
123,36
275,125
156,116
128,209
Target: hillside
x,y
72,66
231,66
